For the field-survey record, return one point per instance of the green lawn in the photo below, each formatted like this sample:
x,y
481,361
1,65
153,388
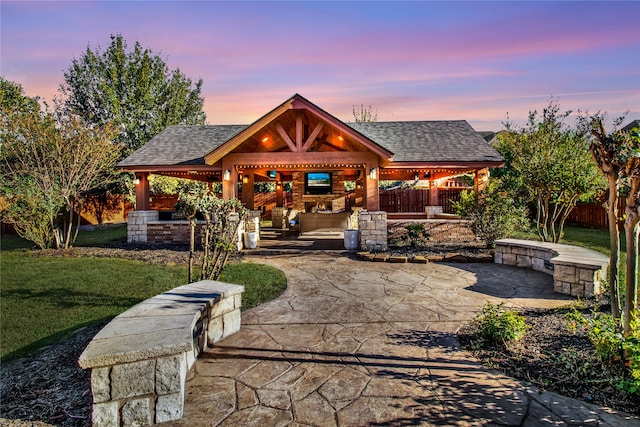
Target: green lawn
x,y
261,282
43,299
99,236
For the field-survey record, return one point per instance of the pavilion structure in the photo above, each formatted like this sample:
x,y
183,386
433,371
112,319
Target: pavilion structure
x,y
300,143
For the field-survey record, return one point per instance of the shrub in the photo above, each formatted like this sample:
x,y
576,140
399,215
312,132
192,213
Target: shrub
x,y
492,212
501,325
613,346
411,235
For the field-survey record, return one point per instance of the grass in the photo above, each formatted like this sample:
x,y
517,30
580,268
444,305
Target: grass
x,y
46,298
261,282
100,236
43,299
592,238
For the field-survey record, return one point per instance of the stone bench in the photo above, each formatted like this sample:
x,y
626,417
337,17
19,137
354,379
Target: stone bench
x,y
139,361
576,271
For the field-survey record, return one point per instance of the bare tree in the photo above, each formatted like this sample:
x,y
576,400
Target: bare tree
x,y
364,114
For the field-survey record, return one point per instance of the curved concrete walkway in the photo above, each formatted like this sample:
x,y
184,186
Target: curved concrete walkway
x,y
354,343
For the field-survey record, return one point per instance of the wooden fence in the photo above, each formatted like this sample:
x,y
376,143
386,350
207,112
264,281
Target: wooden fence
x,y
404,200
396,201
589,215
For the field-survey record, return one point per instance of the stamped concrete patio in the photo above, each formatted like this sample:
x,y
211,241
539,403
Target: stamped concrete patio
x,y
355,343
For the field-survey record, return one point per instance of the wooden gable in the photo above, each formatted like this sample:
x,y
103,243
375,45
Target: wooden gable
x,y
298,126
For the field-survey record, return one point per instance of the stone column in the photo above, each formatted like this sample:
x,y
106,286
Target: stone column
x,y
373,230
297,188
137,225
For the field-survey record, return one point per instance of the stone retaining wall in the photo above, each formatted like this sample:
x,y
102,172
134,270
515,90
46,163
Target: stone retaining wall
x,y
139,361
576,271
144,227
439,231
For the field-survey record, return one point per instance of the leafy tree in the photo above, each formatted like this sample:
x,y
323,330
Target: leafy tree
x,y
617,155
364,114
161,184
12,98
134,89
553,163
50,163
492,212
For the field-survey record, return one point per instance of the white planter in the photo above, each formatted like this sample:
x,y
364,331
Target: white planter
x,y
351,240
250,239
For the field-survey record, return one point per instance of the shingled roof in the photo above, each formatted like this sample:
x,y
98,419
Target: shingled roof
x,y
181,145
417,141
430,141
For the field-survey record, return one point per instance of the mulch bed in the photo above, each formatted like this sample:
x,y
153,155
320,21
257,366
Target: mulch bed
x,y
555,356
48,387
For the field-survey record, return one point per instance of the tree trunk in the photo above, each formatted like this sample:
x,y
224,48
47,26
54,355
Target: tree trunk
x,y
75,233
192,239
614,238
631,229
206,244
68,227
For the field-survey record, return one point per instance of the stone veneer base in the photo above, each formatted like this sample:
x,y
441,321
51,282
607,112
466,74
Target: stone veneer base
x,y
139,361
576,271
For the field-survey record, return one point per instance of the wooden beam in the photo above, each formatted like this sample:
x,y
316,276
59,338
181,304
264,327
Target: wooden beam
x,y
300,159
142,192
314,134
229,187
286,138
247,133
300,103
299,130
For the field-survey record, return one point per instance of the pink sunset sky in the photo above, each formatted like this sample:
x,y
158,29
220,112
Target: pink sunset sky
x,y
476,61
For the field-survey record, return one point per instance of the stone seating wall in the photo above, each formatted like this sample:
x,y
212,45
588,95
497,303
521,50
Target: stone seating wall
x,y
140,360
576,271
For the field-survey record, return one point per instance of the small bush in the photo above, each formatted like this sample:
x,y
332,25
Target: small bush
x,y
492,212
613,346
411,235
501,325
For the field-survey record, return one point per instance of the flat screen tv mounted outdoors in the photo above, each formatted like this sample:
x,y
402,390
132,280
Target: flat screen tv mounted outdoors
x,y
317,183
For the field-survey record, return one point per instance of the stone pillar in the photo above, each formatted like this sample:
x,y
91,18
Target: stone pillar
x,y
373,230
337,183
137,225
297,190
